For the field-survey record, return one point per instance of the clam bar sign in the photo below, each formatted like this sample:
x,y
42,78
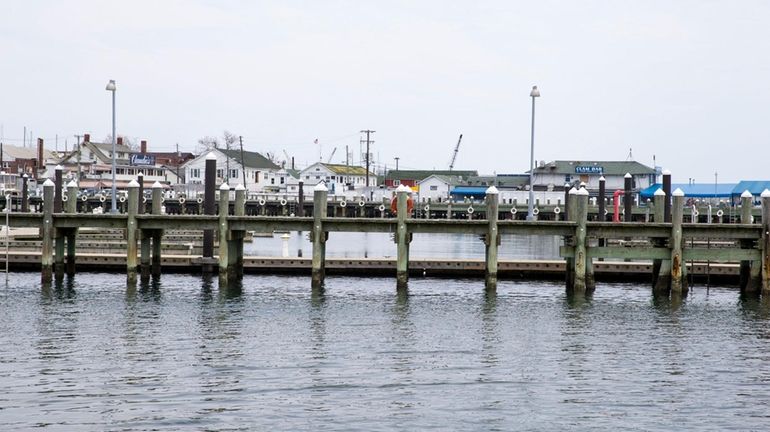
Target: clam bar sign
x,y
592,169
142,159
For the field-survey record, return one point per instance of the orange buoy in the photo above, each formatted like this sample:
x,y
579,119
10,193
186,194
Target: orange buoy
x,y
409,205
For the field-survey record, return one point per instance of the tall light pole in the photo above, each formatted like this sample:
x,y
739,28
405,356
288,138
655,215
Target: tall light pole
x,y
531,205
111,88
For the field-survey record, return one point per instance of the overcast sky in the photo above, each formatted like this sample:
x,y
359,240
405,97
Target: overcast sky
x,y
686,82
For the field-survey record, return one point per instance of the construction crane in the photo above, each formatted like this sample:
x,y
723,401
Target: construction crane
x,y
331,155
454,156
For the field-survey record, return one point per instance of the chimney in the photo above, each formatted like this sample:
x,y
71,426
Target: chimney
x,y
120,141
87,138
40,160
143,147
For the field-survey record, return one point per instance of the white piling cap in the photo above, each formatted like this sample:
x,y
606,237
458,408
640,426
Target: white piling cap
x,y
582,184
660,192
25,176
678,193
211,156
566,186
572,191
666,172
765,193
48,182
240,187
224,187
71,184
157,185
58,168
582,191
746,194
402,188
131,184
320,187
492,190
602,178
628,175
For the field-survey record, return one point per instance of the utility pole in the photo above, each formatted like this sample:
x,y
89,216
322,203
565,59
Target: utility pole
x,y
78,137
368,142
24,140
243,163
178,159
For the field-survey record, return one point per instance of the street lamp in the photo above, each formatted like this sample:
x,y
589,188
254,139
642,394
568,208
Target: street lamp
x,y
111,87
530,207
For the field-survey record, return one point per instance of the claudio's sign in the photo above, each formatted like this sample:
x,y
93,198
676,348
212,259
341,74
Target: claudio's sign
x,y
142,159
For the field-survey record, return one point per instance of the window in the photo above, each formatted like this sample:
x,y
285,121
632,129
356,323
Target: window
x,y
307,177
265,176
434,188
256,176
220,173
272,180
282,181
396,182
234,173
195,172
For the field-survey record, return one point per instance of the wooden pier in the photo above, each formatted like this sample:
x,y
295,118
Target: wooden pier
x,y
669,245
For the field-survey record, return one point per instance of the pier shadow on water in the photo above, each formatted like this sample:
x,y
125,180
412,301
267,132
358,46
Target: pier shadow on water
x,y
59,289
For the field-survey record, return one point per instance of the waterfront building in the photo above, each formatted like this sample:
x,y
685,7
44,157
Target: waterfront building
x,y
261,174
91,162
411,178
555,174
338,177
24,160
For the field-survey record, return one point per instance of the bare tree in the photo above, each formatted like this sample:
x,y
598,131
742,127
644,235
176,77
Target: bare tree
x,y
229,139
127,141
206,143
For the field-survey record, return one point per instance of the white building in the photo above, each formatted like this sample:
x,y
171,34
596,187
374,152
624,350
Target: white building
x,y
338,178
261,175
94,163
435,187
556,174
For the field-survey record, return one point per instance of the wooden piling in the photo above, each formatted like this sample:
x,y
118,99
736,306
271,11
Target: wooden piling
x,y
24,193
745,281
765,264
157,235
208,206
224,247
71,208
402,237
492,238
661,269
132,230
602,203
58,264
678,281
301,199
667,189
46,256
318,235
628,201
581,215
235,241
569,262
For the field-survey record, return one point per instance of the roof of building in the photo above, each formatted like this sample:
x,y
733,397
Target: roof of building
x,y
755,187
606,168
508,181
418,175
250,159
694,190
340,169
107,147
16,152
451,180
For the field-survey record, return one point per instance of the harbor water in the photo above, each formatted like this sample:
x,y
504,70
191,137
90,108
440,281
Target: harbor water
x,y
269,353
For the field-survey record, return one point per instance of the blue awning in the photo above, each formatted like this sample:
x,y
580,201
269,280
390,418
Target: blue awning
x,y
755,187
474,191
695,190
